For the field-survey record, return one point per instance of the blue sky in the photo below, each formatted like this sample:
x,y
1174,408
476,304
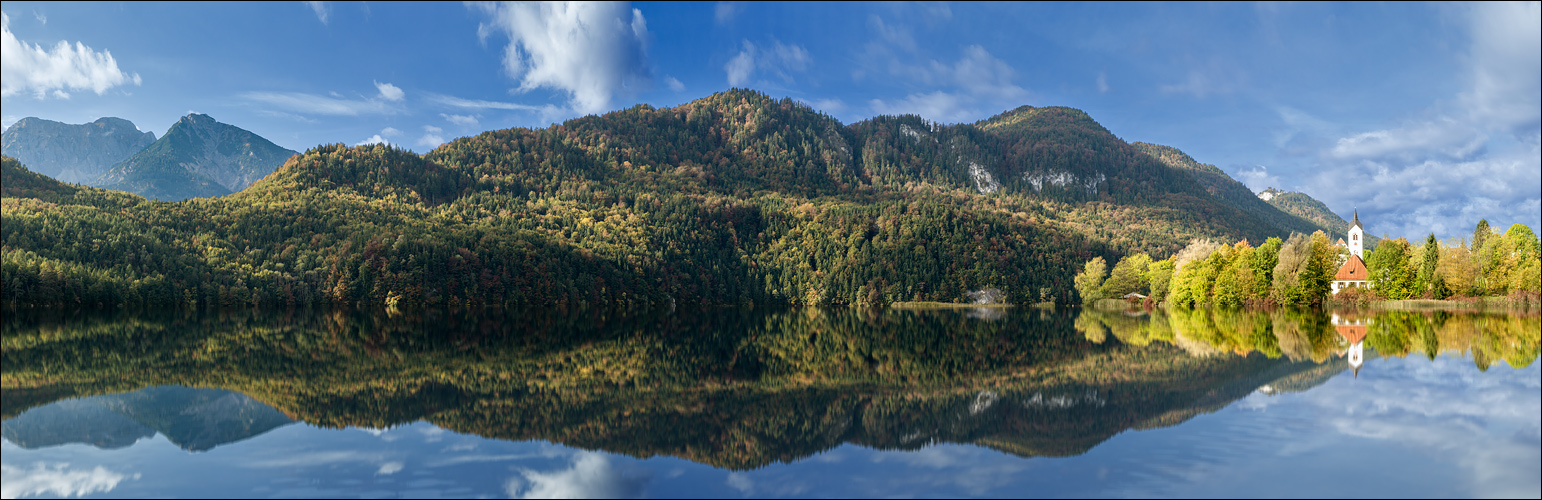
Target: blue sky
x,y
1426,117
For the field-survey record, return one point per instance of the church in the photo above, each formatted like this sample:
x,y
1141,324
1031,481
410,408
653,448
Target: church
x,y
1353,273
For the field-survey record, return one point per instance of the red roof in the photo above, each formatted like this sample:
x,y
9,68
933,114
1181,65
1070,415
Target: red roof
x,y
1352,333
1354,270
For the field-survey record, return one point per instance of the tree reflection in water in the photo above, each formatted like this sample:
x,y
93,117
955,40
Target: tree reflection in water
x,y
1299,334
734,388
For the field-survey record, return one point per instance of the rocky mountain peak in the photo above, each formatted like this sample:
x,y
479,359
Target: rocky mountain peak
x,y
73,153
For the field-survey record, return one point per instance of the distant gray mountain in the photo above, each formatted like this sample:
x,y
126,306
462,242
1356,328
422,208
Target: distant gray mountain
x,y
193,419
73,153
198,157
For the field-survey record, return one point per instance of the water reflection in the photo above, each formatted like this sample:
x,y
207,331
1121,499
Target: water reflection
x,y
193,419
1311,335
736,389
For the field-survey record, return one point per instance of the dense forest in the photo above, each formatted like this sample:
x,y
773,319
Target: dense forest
x,y
1299,271
733,198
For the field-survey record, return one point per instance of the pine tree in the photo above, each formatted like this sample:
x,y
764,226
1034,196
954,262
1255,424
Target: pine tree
x,y
1425,284
1481,235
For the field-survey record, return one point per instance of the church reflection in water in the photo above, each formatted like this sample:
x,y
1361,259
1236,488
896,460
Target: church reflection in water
x,y
1352,328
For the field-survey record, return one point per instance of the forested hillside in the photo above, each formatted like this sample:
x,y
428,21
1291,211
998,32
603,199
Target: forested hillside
x,y
733,198
1233,193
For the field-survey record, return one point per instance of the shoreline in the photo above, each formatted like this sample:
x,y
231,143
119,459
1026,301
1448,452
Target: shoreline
x,y
945,305
1476,304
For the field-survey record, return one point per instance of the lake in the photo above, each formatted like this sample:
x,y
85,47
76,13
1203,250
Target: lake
x,y
746,402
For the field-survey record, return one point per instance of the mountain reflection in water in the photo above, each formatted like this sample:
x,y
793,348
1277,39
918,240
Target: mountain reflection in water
x,y
733,388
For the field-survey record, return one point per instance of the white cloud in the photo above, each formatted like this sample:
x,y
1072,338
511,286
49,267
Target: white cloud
x,y
780,59
1102,82
1446,169
1258,179
311,104
828,106
432,137
26,67
390,92
322,9
592,476
1507,67
1435,195
976,82
739,67
1200,84
674,84
724,12
389,468
56,479
374,139
591,51
41,19
390,131
317,459
480,104
898,35
742,482
462,120
938,106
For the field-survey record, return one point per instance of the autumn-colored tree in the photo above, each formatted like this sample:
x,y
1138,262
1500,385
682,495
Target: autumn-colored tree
x,y
1128,276
1160,275
1457,269
1089,282
1390,273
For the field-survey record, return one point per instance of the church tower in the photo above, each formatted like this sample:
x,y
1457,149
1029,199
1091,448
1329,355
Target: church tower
x,y
1356,236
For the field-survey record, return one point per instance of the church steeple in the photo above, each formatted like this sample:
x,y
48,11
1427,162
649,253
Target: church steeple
x,y
1356,236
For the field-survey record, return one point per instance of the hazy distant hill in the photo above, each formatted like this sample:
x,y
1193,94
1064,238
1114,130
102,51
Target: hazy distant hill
x,y
1306,207
73,153
198,157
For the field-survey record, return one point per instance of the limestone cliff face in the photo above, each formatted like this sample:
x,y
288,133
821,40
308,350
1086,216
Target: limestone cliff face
x,y
198,157
73,153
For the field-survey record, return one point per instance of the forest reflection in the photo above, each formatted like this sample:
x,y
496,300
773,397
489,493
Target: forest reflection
x,y
734,388
1302,334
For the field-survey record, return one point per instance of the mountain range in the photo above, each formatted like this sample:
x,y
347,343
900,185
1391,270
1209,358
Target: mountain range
x,y
76,154
735,197
198,157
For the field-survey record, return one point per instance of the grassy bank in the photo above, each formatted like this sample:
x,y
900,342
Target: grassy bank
x,y
1468,304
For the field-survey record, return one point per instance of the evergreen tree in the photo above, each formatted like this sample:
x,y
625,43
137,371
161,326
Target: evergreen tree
x,y
1481,234
1425,283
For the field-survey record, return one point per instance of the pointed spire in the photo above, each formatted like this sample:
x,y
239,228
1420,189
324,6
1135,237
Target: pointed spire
x,y
1356,221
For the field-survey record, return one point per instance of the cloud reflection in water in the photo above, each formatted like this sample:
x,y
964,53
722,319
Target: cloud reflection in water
x,y
57,479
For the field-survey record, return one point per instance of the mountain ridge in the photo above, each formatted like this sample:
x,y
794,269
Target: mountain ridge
x,y
198,157
732,198
1230,191
73,153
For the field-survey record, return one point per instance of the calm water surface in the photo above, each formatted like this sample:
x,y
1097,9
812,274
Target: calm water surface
x,y
771,403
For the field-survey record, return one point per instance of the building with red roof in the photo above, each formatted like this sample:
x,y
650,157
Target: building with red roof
x,y
1353,273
